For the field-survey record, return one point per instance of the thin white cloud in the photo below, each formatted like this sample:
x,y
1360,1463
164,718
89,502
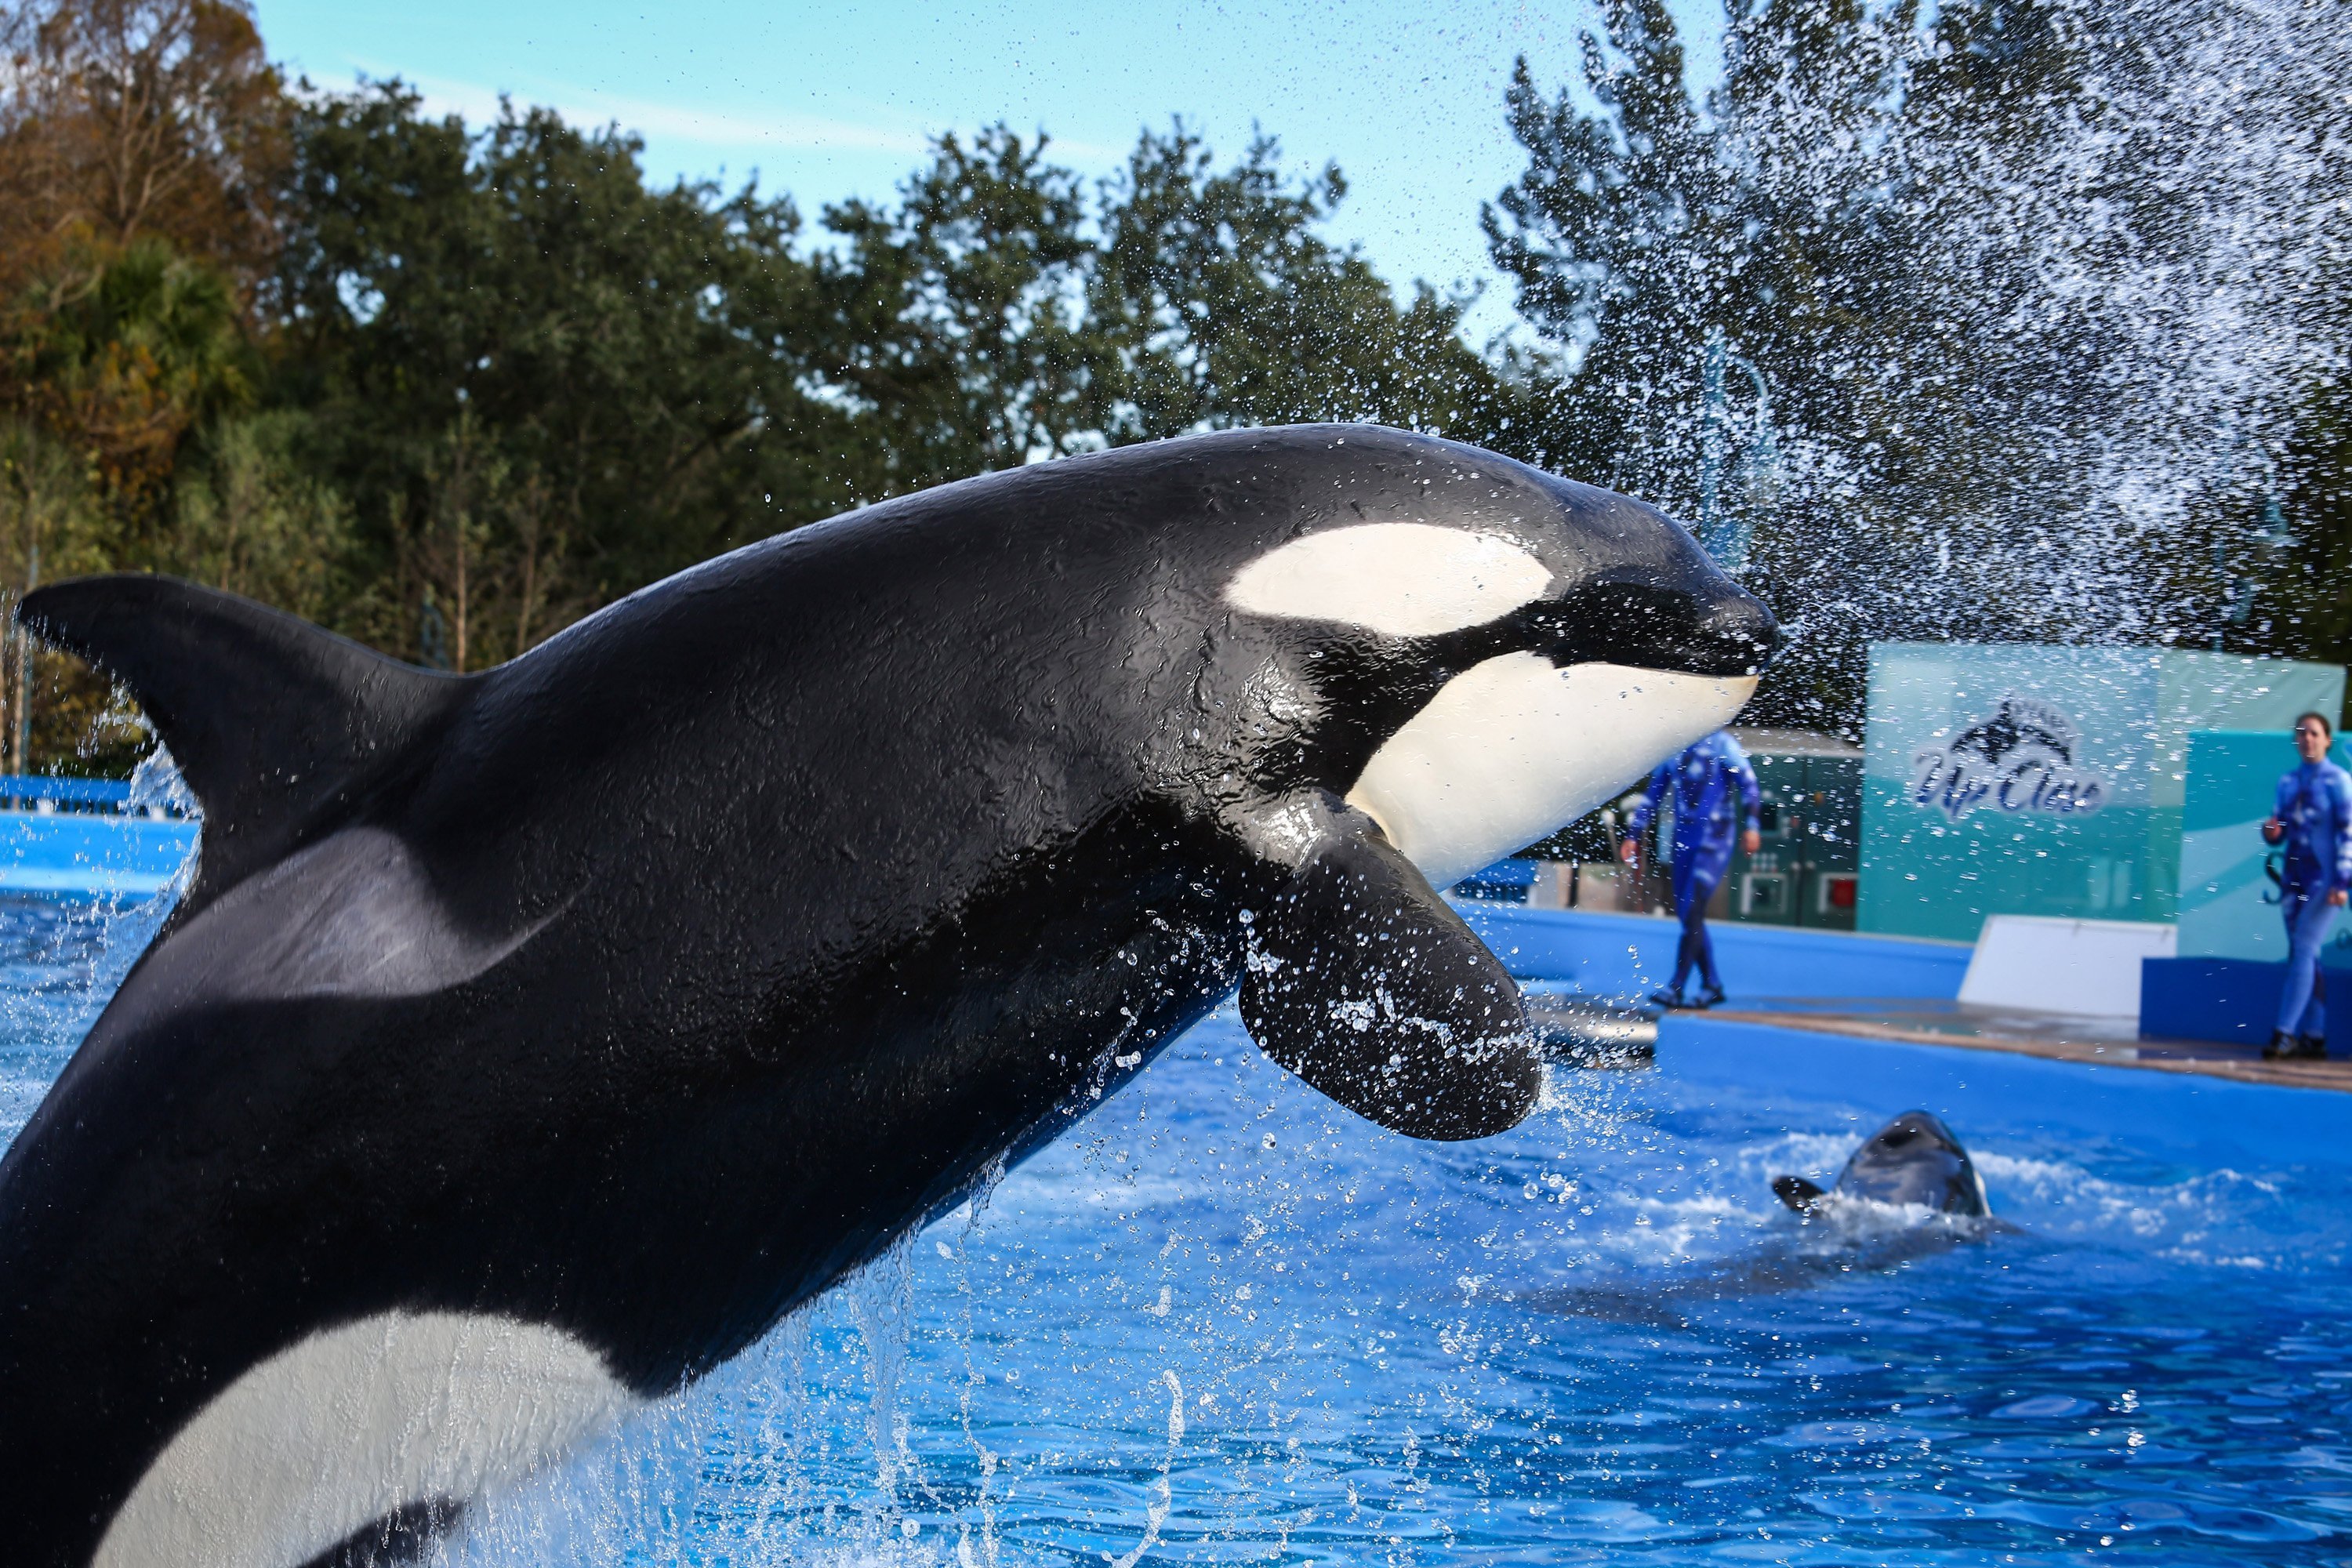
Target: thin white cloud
x,y
728,129
717,128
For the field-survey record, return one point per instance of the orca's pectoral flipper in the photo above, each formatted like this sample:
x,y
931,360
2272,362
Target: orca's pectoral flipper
x,y
272,720
1365,983
1797,1193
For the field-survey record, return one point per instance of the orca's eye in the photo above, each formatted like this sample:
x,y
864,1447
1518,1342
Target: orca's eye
x,y
1403,579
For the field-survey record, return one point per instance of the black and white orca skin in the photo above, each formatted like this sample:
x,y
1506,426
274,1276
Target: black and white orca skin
x,y
1914,1161
528,1043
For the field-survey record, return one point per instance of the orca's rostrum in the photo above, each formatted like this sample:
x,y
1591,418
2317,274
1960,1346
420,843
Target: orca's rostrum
x,y
528,1042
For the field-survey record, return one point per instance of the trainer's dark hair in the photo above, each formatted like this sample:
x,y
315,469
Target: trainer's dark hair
x,y
2326,728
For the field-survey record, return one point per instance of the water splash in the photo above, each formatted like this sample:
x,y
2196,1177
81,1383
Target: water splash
x,y
2042,290
986,1459
158,786
881,1302
1162,1498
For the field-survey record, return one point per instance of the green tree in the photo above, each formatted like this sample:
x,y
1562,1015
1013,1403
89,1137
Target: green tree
x,y
995,318
53,523
630,360
254,517
121,354
953,325
1218,302
121,120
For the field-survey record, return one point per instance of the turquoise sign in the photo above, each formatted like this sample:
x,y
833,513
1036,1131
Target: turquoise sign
x,y
2020,779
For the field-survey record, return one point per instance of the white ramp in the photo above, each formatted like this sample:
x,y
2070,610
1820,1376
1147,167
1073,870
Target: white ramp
x,y
2086,968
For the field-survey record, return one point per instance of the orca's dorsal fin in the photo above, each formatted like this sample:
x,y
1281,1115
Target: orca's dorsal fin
x,y
1797,1192
274,723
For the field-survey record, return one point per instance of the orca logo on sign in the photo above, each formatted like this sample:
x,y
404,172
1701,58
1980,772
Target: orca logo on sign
x,y
2018,760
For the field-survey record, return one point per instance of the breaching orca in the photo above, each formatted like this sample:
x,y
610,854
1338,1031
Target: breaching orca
x,y
1914,1159
528,1043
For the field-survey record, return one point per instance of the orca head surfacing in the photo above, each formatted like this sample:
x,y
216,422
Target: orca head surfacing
x,y
1913,1162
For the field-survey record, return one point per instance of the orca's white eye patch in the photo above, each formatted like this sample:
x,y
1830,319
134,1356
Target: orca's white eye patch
x,y
1404,579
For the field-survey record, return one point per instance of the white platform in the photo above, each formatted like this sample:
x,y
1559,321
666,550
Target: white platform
x,y
2087,968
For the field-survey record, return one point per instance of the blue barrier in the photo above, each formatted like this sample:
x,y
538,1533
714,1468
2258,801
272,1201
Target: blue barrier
x,y
1506,880
86,855
2233,1000
1608,955
87,795
2187,1117
105,794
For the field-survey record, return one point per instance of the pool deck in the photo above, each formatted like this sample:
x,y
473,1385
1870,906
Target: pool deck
x,y
1898,990
2102,1042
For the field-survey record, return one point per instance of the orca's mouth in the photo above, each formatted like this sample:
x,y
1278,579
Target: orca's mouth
x,y
1715,630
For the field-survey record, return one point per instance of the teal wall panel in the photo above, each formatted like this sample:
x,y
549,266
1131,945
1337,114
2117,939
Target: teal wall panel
x,y
2227,903
2019,779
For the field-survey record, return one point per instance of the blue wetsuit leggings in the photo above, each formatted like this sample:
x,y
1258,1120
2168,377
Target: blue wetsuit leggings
x,y
2308,917
1695,881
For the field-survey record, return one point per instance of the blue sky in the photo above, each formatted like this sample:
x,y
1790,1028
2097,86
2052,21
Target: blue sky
x,y
834,100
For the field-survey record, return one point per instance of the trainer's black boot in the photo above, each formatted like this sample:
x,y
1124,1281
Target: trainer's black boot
x,y
2282,1046
1711,996
1665,997
2310,1048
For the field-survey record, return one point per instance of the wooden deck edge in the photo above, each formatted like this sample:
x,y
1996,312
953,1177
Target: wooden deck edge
x,y
2334,1075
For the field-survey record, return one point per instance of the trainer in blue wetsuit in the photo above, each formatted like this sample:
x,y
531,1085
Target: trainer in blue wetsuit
x,y
2314,820
1703,779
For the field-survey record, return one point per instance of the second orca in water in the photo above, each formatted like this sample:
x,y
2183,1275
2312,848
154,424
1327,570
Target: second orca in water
x,y
1912,1160
1912,1163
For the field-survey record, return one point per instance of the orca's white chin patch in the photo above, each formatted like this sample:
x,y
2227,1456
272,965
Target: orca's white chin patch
x,y
1516,748
351,1425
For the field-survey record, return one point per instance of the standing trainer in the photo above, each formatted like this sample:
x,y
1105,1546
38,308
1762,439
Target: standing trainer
x,y
1702,779
2313,818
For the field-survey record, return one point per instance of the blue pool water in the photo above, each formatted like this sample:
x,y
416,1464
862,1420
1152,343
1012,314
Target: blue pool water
x,y
1224,1321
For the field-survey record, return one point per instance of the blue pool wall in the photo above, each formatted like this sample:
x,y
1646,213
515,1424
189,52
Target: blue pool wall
x,y
1607,954
90,855
2139,1112
2186,1119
